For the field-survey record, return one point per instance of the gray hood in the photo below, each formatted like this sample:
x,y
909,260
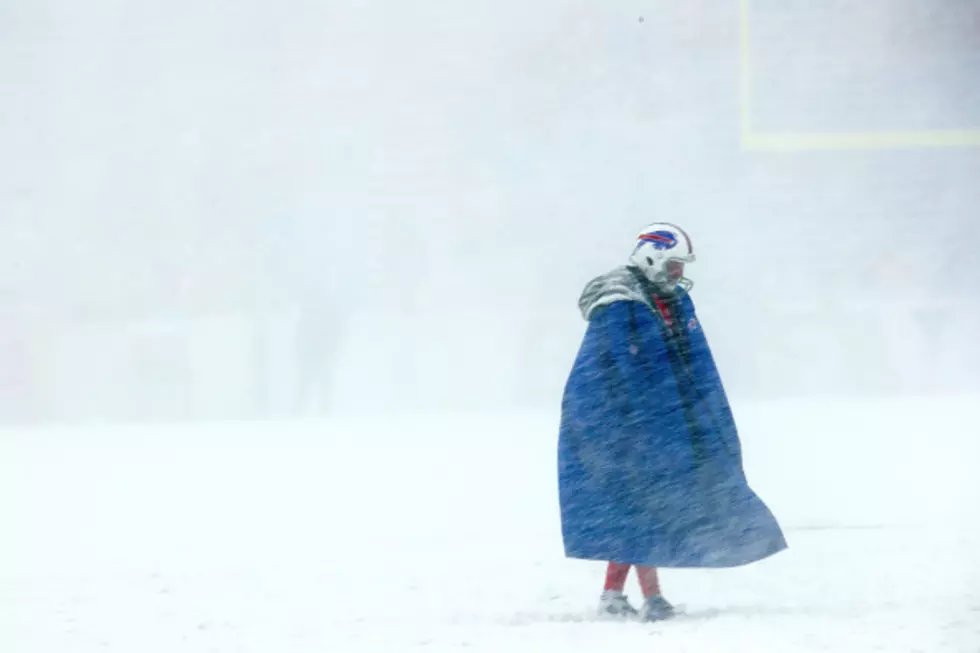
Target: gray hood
x,y
622,284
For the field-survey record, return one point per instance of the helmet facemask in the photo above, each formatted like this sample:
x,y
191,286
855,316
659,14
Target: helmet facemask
x,y
669,276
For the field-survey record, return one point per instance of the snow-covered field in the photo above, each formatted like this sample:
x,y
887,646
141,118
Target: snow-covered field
x,y
441,534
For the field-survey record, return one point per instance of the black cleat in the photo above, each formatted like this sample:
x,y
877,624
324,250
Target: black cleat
x,y
614,605
656,608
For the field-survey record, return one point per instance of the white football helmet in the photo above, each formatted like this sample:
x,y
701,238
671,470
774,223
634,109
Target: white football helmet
x,y
662,250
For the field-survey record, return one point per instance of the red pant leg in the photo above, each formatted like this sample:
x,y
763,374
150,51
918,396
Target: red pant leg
x,y
649,581
616,575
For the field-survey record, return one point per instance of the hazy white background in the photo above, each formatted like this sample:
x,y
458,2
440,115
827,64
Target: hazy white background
x,y
242,212
256,209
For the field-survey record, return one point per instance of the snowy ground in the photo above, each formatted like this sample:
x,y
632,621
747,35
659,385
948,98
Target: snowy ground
x,y
442,535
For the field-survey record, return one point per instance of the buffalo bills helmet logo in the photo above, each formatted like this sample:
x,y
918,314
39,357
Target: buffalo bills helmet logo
x,y
660,240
